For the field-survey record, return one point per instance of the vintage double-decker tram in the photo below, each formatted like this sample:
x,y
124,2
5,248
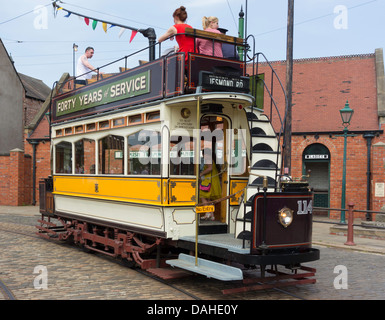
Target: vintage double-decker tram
x,y
126,154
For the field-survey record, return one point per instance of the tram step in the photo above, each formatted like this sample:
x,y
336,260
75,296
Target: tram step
x,y
212,227
207,268
251,116
244,235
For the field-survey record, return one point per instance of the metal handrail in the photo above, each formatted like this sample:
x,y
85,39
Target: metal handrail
x,y
354,210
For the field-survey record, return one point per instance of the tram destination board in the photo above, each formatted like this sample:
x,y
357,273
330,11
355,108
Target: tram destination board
x,y
211,81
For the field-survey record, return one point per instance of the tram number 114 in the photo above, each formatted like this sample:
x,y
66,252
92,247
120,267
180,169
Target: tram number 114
x,y
305,207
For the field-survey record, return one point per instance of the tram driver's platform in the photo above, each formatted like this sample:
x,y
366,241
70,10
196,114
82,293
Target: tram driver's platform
x,y
222,240
209,268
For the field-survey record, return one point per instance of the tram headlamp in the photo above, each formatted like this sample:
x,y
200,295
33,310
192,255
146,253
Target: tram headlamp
x,y
285,217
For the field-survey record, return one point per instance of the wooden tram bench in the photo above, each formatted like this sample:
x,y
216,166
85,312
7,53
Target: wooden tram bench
x,y
215,36
217,65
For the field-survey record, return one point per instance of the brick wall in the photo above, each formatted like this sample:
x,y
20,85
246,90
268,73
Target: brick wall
x,y
16,179
30,108
43,164
4,179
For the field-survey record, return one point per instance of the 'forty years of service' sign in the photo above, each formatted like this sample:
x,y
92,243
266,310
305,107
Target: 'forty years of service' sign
x,y
129,87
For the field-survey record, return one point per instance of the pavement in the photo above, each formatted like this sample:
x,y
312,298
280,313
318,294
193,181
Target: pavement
x,y
330,233
326,232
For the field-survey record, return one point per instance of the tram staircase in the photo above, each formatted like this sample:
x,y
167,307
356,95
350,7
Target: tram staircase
x,y
265,160
265,149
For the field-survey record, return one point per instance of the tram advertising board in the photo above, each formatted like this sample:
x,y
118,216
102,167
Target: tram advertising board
x,y
138,85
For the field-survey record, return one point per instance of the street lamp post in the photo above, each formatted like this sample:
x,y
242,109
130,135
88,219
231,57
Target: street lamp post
x,y
346,115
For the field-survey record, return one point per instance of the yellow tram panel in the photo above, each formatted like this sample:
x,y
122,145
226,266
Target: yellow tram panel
x,y
236,187
139,190
181,192
151,191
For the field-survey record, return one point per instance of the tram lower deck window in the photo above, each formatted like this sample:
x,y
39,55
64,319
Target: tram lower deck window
x,y
111,155
63,157
182,156
85,157
144,153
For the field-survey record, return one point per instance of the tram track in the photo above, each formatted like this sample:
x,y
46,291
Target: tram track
x,y
6,292
182,287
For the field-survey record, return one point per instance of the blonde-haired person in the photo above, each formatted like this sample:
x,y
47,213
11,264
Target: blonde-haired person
x,y
205,46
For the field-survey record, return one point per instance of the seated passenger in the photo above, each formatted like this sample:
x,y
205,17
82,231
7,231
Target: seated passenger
x,y
229,50
186,44
206,46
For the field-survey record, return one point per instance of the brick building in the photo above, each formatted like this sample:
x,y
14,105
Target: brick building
x,y
21,100
321,87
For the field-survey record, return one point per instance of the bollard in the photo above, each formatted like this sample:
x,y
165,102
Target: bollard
x,y
350,241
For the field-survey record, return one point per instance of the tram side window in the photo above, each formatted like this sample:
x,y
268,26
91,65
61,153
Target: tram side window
x,y
63,156
85,157
182,155
144,152
111,155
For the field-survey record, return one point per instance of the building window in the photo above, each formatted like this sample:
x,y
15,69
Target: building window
x,y
63,156
111,155
144,152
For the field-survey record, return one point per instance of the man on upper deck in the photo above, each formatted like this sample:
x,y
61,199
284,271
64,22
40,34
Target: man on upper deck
x,y
84,68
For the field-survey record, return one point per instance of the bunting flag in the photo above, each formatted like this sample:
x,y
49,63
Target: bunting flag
x,y
133,34
121,32
95,22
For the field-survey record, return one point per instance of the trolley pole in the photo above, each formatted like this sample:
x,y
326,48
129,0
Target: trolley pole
x,y
197,158
289,88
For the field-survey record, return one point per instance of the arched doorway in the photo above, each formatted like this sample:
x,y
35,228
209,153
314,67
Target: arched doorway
x,y
316,158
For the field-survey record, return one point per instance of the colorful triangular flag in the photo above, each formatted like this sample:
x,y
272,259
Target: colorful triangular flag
x,y
94,23
133,34
121,32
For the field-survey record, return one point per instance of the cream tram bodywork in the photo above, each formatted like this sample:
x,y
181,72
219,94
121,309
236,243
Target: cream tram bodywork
x,y
158,203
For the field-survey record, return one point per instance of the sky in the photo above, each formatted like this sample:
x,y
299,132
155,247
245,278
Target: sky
x,y
41,43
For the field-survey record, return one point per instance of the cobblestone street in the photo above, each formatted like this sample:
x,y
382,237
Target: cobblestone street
x,y
75,275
